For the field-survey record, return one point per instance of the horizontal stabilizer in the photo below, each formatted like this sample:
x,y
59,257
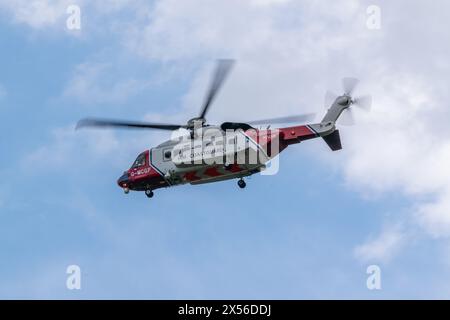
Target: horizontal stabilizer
x,y
333,140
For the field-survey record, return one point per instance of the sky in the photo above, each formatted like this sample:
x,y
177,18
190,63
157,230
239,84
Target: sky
x,y
308,232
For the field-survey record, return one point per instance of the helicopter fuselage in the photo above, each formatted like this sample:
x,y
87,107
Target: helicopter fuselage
x,y
214,155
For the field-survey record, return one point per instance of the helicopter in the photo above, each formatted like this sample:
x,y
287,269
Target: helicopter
x,y
232,150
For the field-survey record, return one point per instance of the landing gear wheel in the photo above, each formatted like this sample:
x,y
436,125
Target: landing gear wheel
x,y
149,193
126,190
242,184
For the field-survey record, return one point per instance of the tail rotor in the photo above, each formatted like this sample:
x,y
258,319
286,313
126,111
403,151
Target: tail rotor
x,y
345,102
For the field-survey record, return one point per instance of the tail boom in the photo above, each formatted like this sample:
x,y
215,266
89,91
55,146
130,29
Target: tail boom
x,y
326,130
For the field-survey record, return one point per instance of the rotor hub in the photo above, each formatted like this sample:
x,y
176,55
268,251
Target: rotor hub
x,y
344,100
196,123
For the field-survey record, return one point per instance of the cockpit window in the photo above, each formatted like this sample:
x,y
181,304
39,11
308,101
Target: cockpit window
x,y
140,161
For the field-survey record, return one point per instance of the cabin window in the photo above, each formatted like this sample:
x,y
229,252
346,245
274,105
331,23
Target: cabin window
x,y
167,155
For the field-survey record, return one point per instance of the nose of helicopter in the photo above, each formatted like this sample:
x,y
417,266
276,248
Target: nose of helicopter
x,y
123,180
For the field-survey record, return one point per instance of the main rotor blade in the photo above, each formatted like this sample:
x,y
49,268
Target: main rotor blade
x,y
109,123
349,85
364,102
222,70
288,119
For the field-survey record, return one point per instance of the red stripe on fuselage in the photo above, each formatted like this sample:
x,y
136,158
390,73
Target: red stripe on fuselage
x,y
235,168
212,172
191,176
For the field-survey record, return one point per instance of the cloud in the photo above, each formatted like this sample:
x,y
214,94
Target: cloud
x,y
68,147
269,2
45,14
194,29
383,247
434,215
37,14
95,83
